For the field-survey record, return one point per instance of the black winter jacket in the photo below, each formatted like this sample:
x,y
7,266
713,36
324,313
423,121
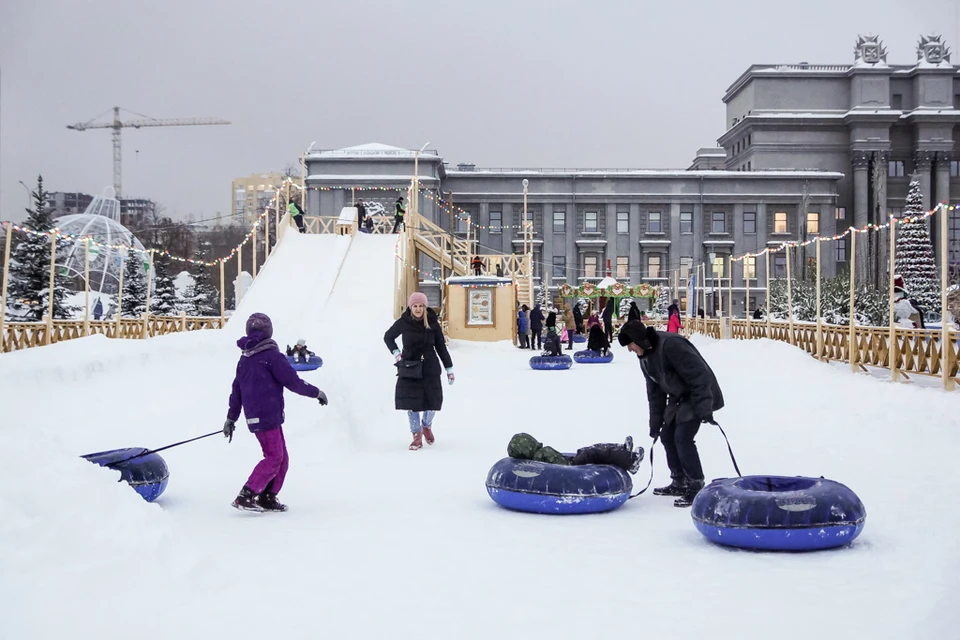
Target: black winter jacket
x,y
597,339
536,320
551,343
419,342
681,387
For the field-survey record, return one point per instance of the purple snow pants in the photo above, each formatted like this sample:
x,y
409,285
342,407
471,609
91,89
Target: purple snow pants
x,y
273,467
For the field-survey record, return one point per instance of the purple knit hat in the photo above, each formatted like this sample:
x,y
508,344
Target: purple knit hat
x,y
260,322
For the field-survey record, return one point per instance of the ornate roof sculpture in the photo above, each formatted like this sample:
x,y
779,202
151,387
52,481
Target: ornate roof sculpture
x,y
869,50
931,50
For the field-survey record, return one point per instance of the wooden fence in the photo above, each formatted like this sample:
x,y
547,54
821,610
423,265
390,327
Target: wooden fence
x,y
916,351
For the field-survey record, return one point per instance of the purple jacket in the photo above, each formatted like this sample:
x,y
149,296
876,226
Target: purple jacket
x,y
262,373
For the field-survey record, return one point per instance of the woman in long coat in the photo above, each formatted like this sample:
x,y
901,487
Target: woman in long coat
x,y
422,342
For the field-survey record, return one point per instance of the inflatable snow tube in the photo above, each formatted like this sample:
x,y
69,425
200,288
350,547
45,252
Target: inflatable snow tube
x,y
778,513
548,363
579,337
148,475
538,487
315,362
592,357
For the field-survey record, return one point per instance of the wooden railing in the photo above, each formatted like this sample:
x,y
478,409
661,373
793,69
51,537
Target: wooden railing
x,y
24,335
328,224
918,351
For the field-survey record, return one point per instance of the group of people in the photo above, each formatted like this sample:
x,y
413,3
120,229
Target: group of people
x,y
364,222
682,393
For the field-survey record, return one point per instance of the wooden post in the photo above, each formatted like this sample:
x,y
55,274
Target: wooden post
x,y
730,291
266,236
86,286
789,296
288,196
946,345
120,293
3,289
146,313
183,321
766,266
746,295
237,290
703,289
853,282
819,308
353,196
53,273
892,347
254,252
223,296
718,291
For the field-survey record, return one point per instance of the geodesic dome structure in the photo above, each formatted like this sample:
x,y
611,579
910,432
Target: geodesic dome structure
x,y
101,223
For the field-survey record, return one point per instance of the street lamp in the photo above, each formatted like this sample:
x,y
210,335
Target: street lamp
x,y
525,184
29,194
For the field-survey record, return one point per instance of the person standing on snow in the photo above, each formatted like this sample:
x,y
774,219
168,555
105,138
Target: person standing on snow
x,y
536,326
262,374
297,214
608,312
418,369
398,212
361,213
674,324
682,392
98,310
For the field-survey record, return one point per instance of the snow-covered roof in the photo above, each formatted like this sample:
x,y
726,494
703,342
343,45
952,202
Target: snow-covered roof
x,y
606,282
641,173
373,149
362,177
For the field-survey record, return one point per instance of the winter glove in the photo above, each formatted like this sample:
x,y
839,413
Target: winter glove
x,y
708,418
228,428
450,377
322,399
396,356
655,431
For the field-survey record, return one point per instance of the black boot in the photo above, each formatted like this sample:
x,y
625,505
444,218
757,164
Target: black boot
x,y
269,502
246,500
675,488
692,489
638,458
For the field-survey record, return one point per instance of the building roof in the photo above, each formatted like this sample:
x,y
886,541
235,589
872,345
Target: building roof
x,y
372,150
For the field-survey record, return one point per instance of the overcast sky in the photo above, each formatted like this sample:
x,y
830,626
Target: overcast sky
x,y
605,83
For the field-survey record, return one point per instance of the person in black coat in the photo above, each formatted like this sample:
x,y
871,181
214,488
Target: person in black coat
x,y
596,339
422,343
551,341
361,213
757,314
578,317
536,327
608,312
682,392
634,312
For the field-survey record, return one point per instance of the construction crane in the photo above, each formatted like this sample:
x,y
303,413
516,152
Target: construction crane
x,y
147,121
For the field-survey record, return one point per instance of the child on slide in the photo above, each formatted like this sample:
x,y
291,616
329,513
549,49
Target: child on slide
x,y
262,374
299,352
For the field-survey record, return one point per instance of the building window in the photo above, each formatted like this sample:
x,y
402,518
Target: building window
x,y
559,266
749,222
653,266
953,238
719,222
896,101
750,268
894,212
718,267
496,222
686,266
955,167
686,222
895,169
813,223
623,268
462,223
590,222
653,222
841,254
623,222
559,221
780,266
841,213
590,266
780,222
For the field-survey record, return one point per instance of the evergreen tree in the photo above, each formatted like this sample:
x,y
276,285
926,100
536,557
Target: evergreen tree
x,y
915,260
663,301
29,288
625,306
164,299
202,298
134,302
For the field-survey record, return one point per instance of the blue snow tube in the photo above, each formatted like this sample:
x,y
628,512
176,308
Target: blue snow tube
x,y
587,357
579,337
315,362
148,475
778,513
539,487
548,363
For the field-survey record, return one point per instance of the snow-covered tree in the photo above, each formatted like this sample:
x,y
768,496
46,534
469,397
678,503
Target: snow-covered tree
x,y
625,307
915,260
164,299
663,301
134,301
202,297
29,285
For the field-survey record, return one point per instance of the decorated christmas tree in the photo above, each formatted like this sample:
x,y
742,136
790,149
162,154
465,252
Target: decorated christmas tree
x,y
29,288
915,260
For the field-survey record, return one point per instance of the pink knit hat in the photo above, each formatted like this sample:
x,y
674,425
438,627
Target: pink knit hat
x,y
417,298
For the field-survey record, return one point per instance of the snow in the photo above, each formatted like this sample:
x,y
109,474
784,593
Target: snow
x,y
383,542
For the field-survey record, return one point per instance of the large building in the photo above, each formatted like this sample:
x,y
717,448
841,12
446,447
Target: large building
x,y
810,149
251,195
62,203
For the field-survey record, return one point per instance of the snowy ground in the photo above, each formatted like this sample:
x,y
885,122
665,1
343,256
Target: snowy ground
x,y
384,542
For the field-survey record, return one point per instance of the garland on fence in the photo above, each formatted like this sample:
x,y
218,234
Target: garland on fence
x,y
616,290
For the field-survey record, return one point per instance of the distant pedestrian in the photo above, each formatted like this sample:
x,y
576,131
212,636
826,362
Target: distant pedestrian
x,y
398,213
361,213
297,214
98,310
